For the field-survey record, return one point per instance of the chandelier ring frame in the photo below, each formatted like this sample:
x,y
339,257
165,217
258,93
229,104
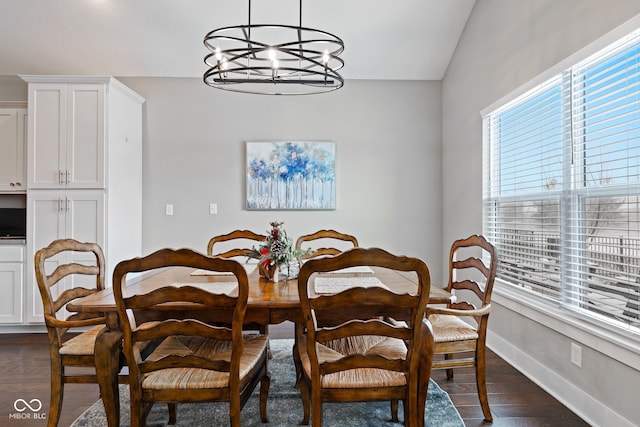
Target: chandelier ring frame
x,y
238,48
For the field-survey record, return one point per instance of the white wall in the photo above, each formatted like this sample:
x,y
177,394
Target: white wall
x,y
13,89
388,142
505,44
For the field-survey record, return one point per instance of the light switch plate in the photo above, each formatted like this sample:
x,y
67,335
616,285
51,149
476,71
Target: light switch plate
x,y
168,210
576,355
213,208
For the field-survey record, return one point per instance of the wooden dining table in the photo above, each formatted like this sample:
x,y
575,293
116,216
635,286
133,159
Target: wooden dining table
x,y
268,303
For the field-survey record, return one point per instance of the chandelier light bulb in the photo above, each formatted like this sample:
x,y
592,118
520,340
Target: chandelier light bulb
x,y
218,53
325,57
271,53
224,66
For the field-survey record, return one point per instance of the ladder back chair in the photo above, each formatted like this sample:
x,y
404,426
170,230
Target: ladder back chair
x,y
324,236
68,346
240,235
364,343
470,275
192,361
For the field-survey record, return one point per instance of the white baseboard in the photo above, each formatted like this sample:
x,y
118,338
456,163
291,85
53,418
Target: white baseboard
x,y
584,405
22,329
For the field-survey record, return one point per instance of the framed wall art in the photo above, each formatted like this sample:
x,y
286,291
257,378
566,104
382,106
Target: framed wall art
x,y
288,175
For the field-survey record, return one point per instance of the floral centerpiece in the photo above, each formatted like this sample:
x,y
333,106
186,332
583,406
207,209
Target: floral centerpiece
x,y
276,251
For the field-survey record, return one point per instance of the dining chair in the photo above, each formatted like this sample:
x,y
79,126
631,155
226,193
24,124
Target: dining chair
x,y
472,271
60,270
313,243
363,343
242,236
322,237
193,361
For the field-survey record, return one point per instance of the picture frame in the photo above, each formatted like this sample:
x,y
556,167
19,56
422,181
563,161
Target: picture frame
x,y
290,175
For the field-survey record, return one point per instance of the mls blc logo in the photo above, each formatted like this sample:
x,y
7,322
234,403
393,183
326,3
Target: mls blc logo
x,y
27,410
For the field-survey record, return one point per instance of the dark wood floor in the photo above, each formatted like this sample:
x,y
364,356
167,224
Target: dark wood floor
x,y
514,400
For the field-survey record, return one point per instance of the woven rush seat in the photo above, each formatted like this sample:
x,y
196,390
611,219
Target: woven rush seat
x,y
447,328
82,344
195,378
390,348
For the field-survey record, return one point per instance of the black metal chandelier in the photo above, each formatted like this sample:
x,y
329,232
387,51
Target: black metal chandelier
x,y
273,59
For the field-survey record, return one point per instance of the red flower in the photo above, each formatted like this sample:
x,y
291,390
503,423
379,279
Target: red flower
x,y
264,252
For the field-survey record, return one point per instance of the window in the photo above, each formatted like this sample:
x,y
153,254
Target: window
x,y
562,187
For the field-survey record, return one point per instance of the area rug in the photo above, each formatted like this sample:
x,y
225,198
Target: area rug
x,y
284,406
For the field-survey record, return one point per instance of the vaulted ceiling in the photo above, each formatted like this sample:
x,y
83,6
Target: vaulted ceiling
x,y
393,39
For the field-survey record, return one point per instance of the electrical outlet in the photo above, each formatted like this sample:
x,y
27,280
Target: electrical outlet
x,y
168,210
213,208
576,355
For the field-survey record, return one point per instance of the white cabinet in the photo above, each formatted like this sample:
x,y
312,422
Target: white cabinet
x,y
12,146
11,283
59,214
66,143
84,171
55,215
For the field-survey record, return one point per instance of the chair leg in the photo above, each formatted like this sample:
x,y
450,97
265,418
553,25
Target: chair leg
x,y
57,394
423,387
316,408
481,383
306,400
264,395
299,330
410,413
264,330
138,411
394,410
449,371
234,411
173,413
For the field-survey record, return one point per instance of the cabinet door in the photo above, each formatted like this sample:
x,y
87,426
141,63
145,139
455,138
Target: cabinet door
x,y
45,223
12,147
23,131
66,136
85,144
11,280
84,216
84,221
46,136
45,218
77,214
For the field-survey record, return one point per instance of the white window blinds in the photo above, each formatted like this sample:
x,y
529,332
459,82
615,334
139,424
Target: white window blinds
x,y
562,186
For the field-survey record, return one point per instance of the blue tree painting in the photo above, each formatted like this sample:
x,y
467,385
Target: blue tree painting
x,y
291,175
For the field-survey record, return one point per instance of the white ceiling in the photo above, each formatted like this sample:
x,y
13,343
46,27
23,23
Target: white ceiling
x,y
392,39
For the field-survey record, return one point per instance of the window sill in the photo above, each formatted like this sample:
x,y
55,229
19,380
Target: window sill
x,y
616,343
